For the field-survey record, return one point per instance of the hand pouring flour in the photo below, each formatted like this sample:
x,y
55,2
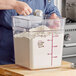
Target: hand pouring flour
x,y
40,47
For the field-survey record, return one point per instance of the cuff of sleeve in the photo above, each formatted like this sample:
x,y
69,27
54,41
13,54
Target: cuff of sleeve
x,y
55,10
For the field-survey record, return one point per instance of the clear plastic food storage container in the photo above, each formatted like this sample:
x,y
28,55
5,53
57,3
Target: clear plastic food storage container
x,y
38,43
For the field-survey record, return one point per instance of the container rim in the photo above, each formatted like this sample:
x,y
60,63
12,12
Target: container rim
x,y
62,18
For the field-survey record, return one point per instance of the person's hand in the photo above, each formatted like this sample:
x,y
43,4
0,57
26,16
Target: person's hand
x,y
55,22
22,8
54,16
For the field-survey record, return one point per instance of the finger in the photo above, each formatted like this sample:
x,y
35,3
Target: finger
x,y
26,11
24,14
29,9
57,22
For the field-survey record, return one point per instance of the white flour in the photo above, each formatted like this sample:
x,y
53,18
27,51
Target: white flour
x,y
35,32
42,31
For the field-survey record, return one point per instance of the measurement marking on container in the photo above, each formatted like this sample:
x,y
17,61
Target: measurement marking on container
x,y
55,46
49,40
52,51
52,46
55,57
